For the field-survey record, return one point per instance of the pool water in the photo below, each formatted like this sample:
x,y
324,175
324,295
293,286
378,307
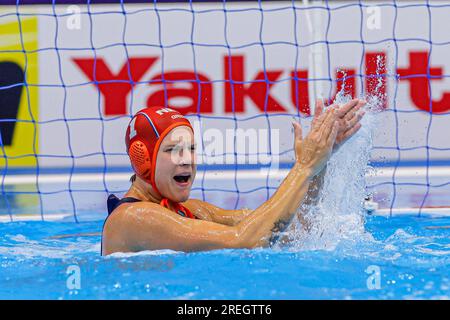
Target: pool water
x,y
346,254
411,254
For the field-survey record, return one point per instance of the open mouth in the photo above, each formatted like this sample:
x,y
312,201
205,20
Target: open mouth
x,y
182,178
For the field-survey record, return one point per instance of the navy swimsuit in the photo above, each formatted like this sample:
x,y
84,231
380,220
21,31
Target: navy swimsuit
x,y
113,202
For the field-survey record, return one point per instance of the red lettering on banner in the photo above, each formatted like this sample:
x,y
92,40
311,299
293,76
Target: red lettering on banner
x,y
199,92
416,75
376,76
345,83
299,91
198,89
258,90
115,87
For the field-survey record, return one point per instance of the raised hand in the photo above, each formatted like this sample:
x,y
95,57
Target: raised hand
x,y
349,117
314,151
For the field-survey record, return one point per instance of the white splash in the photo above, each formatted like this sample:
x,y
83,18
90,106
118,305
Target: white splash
x,y
338,214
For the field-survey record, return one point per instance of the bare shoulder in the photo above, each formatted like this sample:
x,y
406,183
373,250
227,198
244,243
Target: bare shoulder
x,y
124,222
127,211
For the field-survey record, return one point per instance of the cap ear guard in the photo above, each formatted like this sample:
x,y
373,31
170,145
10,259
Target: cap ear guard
x,y
140,160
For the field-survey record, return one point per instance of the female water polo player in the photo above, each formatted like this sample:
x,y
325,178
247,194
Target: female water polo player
x,y
156,212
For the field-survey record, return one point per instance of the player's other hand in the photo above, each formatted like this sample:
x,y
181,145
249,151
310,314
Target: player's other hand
x,y
349,117
315,149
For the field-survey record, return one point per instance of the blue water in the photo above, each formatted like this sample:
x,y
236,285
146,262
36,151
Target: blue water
x,y
414,263
335,260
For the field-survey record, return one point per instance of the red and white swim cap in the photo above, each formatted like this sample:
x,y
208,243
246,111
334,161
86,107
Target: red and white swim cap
x,y
145,133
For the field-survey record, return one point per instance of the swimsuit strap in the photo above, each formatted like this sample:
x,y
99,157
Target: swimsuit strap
x,y
179,208
113,202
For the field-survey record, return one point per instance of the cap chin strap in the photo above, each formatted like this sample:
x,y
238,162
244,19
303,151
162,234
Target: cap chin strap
x,y
179,208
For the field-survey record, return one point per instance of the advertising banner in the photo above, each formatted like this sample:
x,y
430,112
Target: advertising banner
x,y
72,76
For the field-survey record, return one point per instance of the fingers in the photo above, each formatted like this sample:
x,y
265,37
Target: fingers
x,y
328,123
347,120
297,130
332,137
348,123
361,103
352,118
351,113
350,107
347,107
319,108
351,132
318,120
355,119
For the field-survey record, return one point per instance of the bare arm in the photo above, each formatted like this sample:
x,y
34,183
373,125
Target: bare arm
x,y
210,212
349,117
153,227
150,226
311,198
256,229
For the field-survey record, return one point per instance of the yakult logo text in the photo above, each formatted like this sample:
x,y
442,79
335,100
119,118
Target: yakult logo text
x,y
196,87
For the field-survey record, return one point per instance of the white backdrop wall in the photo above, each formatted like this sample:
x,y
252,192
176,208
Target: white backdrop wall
x,y
196,43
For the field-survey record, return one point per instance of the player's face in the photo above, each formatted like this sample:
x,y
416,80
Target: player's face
x,y
176,164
